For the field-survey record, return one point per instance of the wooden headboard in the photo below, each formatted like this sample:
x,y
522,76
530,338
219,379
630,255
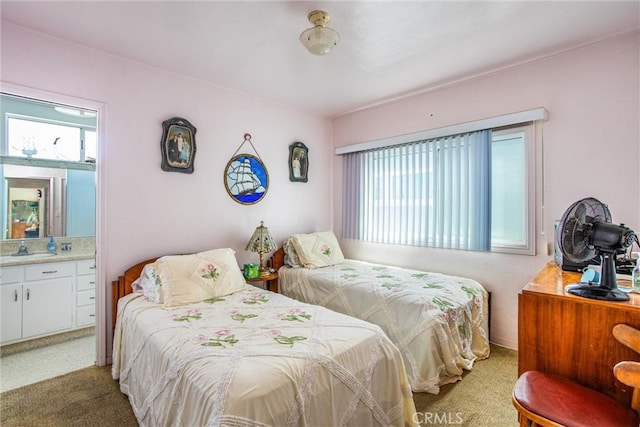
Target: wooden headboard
x,y
122,286
277,259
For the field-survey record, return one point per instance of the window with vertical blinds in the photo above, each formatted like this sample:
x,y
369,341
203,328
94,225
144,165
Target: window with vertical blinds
x,y
468,191
428,193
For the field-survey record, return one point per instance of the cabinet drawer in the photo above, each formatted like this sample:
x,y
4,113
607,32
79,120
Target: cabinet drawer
x,y
49,270
86,266
11,274
86,298
85,316
86,282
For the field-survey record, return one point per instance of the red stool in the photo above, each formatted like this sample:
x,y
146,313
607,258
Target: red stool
x,y
549,400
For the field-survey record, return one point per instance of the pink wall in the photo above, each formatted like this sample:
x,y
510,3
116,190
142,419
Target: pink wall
x,y
591,148
592,95
149,212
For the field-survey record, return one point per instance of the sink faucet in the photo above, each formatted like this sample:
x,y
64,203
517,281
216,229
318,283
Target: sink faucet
x,y
22,249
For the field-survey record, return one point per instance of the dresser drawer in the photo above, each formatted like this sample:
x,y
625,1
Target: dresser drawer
x,y
85,316
86,298
49,270
11,275
86,282
86,266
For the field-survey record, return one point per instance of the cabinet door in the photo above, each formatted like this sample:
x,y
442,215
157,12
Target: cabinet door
x,y
11,314
47,306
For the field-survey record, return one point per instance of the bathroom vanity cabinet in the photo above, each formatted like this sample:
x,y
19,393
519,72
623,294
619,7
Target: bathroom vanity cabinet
x,y
42,299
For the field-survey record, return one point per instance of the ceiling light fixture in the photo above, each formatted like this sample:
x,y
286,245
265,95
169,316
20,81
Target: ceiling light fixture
x,y
319,40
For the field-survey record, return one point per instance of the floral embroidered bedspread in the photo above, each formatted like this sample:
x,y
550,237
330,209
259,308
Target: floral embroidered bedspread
x,y
438,322
257,358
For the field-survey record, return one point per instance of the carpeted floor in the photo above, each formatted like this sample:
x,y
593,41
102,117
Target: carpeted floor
x,y
481,399
90,397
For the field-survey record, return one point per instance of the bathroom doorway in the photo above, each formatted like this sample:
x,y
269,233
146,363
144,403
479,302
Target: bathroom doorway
x,y
52,140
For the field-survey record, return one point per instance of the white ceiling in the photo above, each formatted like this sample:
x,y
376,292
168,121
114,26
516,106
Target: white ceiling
x,y
387,48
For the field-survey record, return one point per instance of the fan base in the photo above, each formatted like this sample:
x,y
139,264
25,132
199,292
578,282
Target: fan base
x,y
594,291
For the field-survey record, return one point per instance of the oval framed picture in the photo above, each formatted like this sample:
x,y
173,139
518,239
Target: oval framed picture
x,y
246,179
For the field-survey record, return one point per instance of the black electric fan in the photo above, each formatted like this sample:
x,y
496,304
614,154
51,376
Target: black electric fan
x,y
586,231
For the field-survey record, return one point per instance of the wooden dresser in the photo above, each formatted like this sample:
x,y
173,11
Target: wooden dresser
x,y
567,335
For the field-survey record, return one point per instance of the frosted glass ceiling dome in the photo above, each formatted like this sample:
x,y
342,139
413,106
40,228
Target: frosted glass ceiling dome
x,y
319,40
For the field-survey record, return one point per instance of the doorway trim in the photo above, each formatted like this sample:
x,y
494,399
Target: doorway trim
x,y
102,317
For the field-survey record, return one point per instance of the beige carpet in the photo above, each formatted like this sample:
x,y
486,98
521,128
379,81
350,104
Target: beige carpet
x,y
481,399
90,397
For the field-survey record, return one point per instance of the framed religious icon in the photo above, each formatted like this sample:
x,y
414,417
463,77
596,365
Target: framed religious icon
x,y
298,162
246,179
178,145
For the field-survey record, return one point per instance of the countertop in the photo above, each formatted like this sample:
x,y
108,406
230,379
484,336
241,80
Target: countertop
x,y
79,248
8,260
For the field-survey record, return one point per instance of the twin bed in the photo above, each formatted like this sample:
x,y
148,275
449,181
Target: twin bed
x,y
195,345
438,322
250,357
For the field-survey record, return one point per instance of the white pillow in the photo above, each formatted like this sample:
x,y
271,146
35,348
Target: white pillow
x,y
149,284
193,278
319,249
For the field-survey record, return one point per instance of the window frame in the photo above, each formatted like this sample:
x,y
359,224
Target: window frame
x,y
529,246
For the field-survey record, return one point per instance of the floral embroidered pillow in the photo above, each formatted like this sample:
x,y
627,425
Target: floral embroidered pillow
x,y
291,257
193,278
319,249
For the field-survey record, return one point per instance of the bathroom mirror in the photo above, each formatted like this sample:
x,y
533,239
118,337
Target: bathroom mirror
x,y
47,169
43,202
27,208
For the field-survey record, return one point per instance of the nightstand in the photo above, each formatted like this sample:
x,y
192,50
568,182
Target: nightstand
x,y
271,280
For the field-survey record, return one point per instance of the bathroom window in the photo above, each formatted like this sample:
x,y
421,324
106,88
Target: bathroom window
x,y
41,130
41,140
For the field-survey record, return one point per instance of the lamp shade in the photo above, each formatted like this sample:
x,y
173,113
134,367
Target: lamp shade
x,y
319,40
261,241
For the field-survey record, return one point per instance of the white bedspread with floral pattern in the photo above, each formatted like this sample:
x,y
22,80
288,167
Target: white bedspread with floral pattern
x,y
256,358
438,322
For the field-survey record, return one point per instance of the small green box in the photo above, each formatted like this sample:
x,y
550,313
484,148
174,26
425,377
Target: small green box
x,y
251,271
